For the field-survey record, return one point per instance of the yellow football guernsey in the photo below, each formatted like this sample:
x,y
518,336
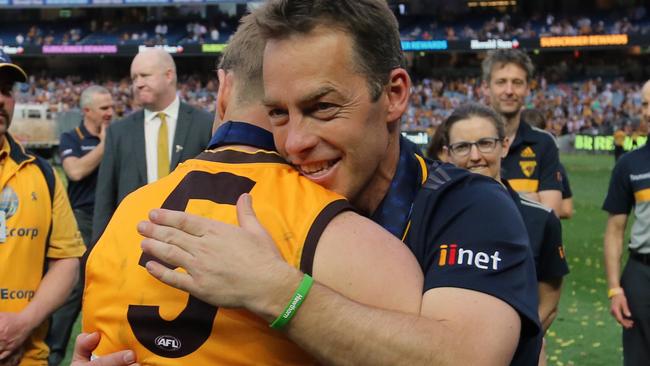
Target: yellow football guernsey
x,y
165,326
31,217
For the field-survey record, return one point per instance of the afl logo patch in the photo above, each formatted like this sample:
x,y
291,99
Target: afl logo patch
x,y
168,343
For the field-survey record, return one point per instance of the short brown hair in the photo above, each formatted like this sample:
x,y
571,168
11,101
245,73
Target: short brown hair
x,y
466,111
370,23
243,56
503,57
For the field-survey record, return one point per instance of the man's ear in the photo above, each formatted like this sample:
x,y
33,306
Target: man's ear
x,y
223,93
398,93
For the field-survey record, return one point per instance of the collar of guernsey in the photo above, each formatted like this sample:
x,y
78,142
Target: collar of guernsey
x,y
394,211
241,133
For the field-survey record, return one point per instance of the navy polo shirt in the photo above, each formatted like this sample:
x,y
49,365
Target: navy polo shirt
x,y
532,163
630,188
77,143
466,232
545,235
438,214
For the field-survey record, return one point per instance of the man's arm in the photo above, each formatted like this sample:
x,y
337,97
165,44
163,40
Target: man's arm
x,y
567,195
51,293
613,252
77,168
106,191
549,297
552,268
550,180
329,325
551,199
340,331
566,212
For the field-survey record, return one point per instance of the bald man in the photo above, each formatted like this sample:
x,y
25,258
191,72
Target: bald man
x,y
629,189
148,144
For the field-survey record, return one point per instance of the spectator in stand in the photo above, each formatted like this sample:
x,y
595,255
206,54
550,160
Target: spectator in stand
x,y
214,34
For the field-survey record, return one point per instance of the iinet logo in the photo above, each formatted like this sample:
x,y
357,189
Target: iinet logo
x,y
450,255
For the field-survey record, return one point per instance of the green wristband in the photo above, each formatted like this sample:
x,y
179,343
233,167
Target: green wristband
x,y
294,304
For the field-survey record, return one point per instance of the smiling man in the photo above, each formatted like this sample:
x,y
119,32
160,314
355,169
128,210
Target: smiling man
x,y
312,227
335,91
532,164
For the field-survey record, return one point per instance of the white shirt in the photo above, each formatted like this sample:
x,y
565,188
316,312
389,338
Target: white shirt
x,y
151,127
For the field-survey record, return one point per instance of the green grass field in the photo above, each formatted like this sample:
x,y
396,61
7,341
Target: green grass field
x,y
584,333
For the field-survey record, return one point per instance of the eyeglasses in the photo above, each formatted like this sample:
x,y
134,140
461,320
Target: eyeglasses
x,y
484,145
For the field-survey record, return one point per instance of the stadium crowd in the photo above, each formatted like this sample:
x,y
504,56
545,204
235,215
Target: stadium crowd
x,y
63,94
507,26
592,106
172,30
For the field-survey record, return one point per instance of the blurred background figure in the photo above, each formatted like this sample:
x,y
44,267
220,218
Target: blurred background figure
x,y
81,151
149,143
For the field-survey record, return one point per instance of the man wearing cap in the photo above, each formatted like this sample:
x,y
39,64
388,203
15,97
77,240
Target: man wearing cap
x,y
39,240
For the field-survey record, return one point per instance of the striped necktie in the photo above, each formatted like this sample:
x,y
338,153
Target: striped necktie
x,y
163,147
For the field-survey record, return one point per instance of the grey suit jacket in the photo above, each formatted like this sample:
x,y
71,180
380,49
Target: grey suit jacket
x,y
124,168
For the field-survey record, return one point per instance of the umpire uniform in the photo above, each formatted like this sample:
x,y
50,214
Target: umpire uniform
x,y
630,188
